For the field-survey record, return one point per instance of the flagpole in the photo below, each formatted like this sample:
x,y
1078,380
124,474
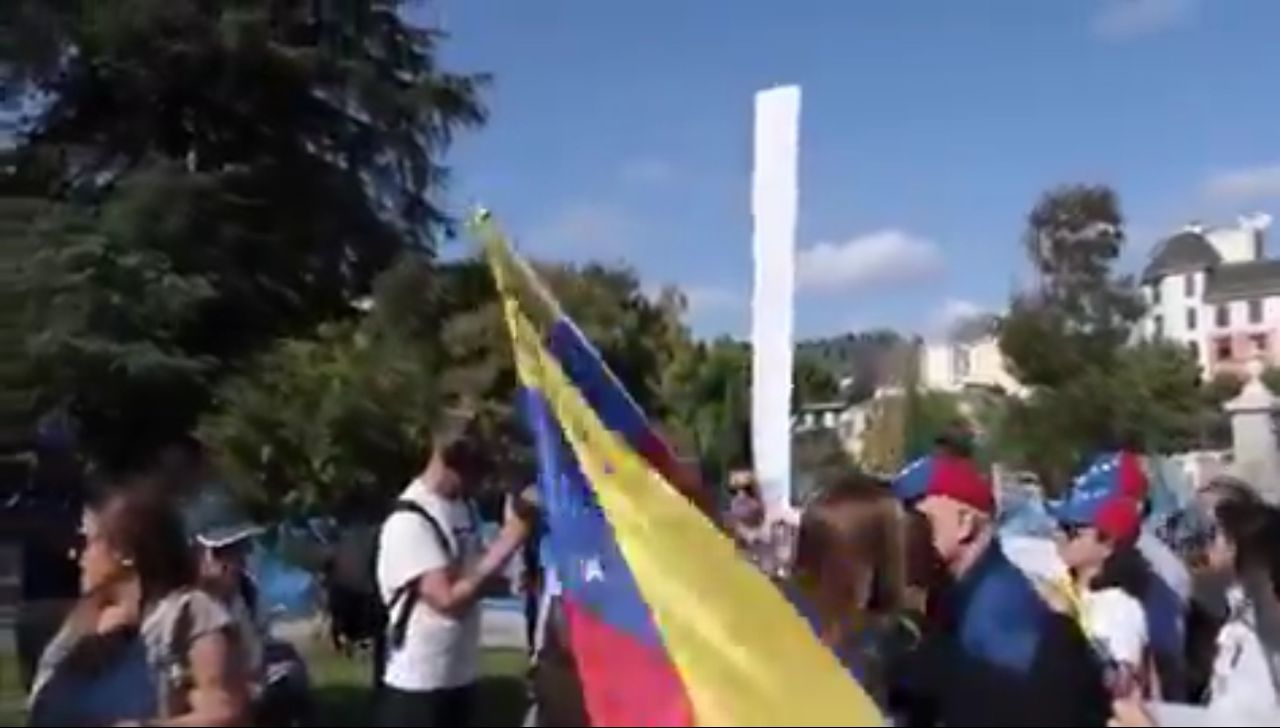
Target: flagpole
x,y
774,198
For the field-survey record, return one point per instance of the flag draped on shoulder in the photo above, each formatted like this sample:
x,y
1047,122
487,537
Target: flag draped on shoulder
x,y
668,625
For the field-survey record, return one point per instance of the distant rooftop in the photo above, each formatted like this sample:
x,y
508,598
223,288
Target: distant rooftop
x,y
1234,281
1185,252
973,328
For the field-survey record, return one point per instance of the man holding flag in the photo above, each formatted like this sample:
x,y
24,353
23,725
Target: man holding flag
x,y
431,569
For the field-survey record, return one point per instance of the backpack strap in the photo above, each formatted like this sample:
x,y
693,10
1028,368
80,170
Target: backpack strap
x,y
170,646
403,599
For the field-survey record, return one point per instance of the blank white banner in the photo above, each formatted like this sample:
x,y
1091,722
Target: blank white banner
x,y
774,197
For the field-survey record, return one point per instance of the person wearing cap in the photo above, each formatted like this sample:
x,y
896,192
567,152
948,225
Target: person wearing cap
x,y
997,654
1098,533
223,539
1167,593
277,674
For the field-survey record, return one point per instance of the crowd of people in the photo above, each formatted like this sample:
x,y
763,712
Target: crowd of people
x,y
908,581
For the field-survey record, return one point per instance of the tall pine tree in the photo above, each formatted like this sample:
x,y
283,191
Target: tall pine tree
x,y
224,173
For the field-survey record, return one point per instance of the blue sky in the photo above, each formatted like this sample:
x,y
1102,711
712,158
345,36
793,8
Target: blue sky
x,y
622,131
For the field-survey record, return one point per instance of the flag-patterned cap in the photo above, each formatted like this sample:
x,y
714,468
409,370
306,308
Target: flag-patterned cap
x,y
946,476
1107,495
1114,472
1114,515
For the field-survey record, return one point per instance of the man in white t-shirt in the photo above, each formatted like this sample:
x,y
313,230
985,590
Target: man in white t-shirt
x,y
431,568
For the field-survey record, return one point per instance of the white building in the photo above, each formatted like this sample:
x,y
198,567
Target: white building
x,y
1216,292
968,358
847,421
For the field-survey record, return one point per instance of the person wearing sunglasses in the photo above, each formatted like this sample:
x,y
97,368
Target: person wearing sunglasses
x,y
748,524
1097,539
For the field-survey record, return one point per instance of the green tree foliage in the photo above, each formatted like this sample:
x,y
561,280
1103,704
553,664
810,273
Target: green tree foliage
x,y
315,420
18,393
708,398
108,329
869,359
1223,387
1068,340
258,162
709,395
813,383
1271,378
351,410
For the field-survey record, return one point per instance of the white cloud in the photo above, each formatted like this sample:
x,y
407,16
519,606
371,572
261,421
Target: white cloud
x,y
584,228
954,311
1247,184
878,258
1123,19
647,171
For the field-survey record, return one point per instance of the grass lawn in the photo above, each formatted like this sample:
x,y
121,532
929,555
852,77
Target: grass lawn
x,y
341,691
11,697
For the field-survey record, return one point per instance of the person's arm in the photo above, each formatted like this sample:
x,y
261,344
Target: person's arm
x,y
450,592
219,690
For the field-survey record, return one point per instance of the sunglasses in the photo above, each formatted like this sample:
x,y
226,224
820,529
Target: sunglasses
x,y
742,490
1071,531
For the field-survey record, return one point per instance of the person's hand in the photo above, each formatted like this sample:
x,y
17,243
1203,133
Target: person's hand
x,y
517,520
1130,713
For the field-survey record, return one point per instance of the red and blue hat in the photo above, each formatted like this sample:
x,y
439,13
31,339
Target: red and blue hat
x,y
1120,472
947,476
1107,495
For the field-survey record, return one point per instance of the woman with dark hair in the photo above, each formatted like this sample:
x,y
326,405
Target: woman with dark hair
x,y
848,576
1099,546
1245,684
142,646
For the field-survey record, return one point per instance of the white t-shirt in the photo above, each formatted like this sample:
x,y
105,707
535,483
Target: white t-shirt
x,y
1117,625
439,651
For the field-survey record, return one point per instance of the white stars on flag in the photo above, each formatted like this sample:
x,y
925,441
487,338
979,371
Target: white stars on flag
x,y
592,570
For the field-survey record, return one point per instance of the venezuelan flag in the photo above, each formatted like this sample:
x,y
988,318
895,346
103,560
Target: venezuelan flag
x,y
668,626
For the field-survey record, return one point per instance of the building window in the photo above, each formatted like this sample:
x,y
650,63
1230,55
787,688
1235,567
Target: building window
x,y
1224,348
1189,284
1255,311
1155,294
1195,350
1223,315
1259,343
1191,319
961,364
1157,326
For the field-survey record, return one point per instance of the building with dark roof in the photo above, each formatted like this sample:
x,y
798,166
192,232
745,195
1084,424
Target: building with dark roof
x,y
1186,252
1215,291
